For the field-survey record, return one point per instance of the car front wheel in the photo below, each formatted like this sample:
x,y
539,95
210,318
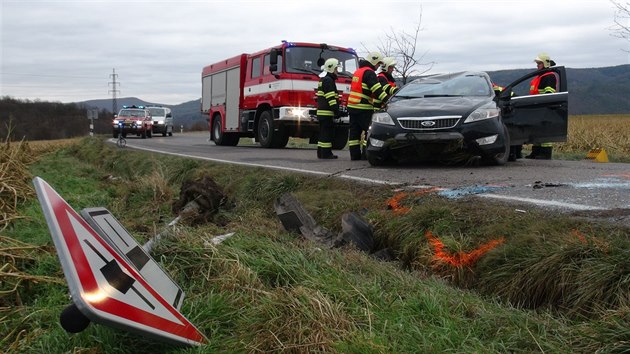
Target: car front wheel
x,y
501,158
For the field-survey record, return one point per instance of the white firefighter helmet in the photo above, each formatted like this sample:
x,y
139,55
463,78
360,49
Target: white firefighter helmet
x,y
543,58
388,62
331,65
375,58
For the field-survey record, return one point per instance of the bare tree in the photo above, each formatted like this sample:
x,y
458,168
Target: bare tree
x,y
403,46
621,28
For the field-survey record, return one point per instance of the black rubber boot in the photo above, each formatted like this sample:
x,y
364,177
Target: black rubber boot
x,y
545,153
327,154
319,152
355,153
535,152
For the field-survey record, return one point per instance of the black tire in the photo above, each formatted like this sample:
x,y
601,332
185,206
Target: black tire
x,y
164,134
374,161
221,138
283,140
266,134
115,135
170,133
502,157
340,139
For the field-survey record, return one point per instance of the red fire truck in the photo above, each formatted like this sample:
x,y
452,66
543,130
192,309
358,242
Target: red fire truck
x,y
270,95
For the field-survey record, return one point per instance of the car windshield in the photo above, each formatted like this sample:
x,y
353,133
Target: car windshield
x,y
445,86
159,112
304,59
132,113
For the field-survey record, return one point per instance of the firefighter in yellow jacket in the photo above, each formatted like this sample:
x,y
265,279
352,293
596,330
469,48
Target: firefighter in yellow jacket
x,y
366,95
327,108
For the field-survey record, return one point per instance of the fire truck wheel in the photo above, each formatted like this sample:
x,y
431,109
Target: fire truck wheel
x,y
221,138
267,137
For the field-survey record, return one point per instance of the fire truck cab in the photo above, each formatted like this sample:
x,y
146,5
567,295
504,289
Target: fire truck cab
x,y
270,95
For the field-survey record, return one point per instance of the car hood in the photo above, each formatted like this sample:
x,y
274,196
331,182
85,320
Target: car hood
x,y
435,106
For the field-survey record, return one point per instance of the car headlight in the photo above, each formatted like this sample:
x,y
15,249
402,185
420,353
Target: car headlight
x,y
382,118
115,121
481,113
160,122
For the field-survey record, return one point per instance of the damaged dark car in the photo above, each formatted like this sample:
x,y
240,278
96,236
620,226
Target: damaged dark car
x,y
459,118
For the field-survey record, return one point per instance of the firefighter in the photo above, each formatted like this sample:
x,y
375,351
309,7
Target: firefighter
x,y
385,76
327,108
541,84
366,96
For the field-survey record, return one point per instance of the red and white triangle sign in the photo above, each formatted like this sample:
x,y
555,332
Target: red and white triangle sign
x,y
104,287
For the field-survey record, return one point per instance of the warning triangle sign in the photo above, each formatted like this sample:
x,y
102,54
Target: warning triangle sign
x,y
104,287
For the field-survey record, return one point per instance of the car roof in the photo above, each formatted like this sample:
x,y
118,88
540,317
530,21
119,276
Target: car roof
x,y
441,77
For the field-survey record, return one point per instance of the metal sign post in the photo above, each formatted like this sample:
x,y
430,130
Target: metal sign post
x,y
92,114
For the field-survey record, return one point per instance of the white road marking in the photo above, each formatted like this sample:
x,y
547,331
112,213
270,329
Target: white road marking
x,y
541,202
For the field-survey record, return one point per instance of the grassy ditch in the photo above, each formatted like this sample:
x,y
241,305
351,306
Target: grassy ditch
x,y
468,276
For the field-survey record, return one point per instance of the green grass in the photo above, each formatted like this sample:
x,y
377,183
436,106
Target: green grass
x,y
546,288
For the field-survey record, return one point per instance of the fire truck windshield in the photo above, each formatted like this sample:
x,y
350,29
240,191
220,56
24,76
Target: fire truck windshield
x,y
304,59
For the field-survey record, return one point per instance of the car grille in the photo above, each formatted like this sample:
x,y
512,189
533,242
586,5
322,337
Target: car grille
x,y
429,123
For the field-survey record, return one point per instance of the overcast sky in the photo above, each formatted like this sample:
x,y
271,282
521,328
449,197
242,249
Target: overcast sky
x,y
64,50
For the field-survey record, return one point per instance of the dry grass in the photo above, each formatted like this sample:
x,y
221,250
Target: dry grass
x,y
15,180
611,132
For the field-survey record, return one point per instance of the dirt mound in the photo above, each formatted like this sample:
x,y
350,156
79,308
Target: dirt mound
x,y
199,200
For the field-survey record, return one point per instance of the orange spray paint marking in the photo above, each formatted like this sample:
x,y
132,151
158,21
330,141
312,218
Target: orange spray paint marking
x,y
394,203
579,236
460,259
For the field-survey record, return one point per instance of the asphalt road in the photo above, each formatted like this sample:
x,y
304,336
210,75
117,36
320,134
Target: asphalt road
x,y
585,188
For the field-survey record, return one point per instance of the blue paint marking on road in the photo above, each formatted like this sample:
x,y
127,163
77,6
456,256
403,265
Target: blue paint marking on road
x,y
460,192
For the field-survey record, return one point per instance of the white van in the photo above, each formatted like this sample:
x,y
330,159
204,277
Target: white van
x,y
162,120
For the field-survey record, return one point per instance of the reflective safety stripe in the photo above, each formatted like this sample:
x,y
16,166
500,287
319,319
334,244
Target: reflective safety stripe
x,y
546,145
324,145
353,143
324,112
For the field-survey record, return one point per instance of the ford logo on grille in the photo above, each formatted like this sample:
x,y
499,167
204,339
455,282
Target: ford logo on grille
x,y
428,123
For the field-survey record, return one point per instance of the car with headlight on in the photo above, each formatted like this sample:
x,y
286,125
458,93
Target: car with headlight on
x,y
458,117
133,120
162,120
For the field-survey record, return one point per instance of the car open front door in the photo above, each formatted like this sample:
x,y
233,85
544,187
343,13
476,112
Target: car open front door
x,y
540,118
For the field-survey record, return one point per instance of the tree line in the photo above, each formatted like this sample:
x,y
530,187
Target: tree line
x,y
39,120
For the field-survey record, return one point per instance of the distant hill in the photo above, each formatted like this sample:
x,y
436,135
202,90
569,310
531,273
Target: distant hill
x,y
187,114
591,91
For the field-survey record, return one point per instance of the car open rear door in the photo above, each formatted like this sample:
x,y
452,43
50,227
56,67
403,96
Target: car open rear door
x,y
540,118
